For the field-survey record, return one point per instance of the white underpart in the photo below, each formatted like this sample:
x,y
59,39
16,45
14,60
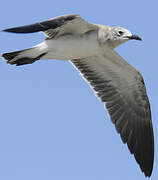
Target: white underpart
x,y
71,47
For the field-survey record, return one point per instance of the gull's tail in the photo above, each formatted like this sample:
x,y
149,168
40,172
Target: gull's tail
x,y
27,56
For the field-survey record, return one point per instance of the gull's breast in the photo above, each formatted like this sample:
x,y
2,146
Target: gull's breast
x,y
73,46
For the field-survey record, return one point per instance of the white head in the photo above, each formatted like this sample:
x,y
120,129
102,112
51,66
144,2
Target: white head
x,y
119,35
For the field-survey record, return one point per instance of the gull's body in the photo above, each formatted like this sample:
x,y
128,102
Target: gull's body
x,y
90,48
72,46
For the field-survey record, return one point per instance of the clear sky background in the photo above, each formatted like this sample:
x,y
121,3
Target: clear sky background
x,y
52,127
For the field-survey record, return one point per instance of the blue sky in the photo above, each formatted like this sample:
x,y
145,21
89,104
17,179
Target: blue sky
x,y
52,126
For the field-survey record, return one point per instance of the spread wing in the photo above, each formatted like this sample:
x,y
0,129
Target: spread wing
x,y
57,26
122,89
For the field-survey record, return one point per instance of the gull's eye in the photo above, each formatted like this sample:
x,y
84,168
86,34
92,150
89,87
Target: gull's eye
x,y
120,33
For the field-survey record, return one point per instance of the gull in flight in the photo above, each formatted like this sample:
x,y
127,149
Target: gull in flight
x,y
90,48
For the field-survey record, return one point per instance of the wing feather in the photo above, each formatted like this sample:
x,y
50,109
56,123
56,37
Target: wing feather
x,y
122,89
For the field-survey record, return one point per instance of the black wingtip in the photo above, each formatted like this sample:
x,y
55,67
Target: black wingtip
x,y
8,31
14,30
5,30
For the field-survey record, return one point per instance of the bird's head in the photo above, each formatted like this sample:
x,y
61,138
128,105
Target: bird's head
x,y
121,35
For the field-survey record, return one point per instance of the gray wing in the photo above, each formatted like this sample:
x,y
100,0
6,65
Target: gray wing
x,y
122,89
59,25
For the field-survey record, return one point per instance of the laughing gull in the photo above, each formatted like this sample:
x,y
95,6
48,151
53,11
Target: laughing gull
x,y
90,48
